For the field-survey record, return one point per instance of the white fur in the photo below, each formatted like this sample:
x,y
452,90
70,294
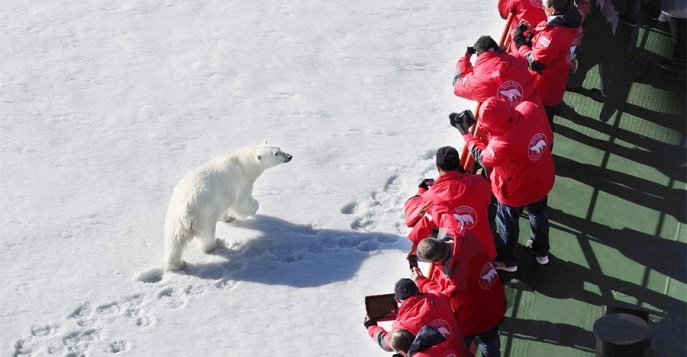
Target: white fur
x,y
220,189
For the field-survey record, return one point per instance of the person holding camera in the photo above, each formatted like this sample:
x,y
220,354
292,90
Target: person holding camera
x,y
529,11
518,152
493,74
548,50
464,273
455,198
415,311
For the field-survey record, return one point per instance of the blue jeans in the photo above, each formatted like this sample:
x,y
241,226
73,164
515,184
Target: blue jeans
x,y
508,224
490,343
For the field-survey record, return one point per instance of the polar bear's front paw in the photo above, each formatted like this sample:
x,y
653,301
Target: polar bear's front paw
x,y
227,218
206,247
175,266
246,210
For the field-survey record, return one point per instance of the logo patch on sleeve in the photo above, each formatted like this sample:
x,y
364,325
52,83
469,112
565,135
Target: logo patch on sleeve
x,y
545,41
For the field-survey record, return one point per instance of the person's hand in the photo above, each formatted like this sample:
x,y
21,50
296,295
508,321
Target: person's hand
x,y
369,322
470,51
462,121
416,274
426,183
519,35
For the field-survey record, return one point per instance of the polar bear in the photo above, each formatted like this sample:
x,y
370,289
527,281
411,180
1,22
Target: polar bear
x,y
220,189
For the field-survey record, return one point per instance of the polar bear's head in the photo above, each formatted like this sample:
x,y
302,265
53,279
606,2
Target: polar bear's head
x,y
269,156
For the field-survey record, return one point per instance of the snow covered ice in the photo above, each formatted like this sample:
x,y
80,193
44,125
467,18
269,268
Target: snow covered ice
x,y
107,104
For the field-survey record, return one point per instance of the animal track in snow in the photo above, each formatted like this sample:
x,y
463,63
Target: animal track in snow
x,y
153,275
348,208
117,346
225,284
80,311
381,203
82,332
41,331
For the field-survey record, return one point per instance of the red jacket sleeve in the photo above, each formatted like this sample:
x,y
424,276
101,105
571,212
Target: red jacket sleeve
x,y
492,154
505,7
462,87
421,230
380,336
415,207
429,286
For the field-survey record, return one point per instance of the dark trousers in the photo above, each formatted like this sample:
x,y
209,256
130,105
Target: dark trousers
x,y
490,343
507,221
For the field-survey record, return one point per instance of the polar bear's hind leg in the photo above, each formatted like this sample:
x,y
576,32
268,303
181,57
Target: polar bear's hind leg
x,y
205,234
174,247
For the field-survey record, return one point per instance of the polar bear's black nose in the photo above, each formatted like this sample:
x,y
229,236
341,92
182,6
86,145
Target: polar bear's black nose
x,y
288,157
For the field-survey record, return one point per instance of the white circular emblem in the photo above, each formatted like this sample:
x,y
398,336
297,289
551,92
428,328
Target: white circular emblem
x,y
537,147
487,276
510,91
466,216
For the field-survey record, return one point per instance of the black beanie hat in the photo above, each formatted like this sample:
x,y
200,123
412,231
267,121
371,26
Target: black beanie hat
x,y
405,288
486,43
448,158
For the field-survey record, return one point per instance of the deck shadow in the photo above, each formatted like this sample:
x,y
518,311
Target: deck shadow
x,y
546,332
628,187
665,256
670,160
561,279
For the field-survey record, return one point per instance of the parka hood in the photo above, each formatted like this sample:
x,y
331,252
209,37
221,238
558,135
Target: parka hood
x,y
426,338
497,115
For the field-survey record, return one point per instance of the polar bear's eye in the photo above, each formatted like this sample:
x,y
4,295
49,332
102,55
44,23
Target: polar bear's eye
x,y
276,153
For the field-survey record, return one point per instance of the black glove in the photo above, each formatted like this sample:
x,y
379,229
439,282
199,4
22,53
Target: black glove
x,y
462,121
369,323
426,183
519,36
470,51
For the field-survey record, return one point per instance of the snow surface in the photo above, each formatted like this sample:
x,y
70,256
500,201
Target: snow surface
x,y
106,104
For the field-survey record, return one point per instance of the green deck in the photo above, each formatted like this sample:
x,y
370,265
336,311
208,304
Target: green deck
x,y
617,211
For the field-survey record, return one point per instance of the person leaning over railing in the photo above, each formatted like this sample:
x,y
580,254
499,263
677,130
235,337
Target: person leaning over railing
x,y
463,271
494,74
415,311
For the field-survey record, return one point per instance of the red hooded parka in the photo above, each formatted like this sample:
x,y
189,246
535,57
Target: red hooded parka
x,y
518,149
495,75
464,197
472,284
421,310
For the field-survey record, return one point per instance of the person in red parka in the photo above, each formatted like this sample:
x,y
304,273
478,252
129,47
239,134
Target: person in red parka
x,y
415,311
429,342
518,150
549,48
494,74
529,11
465,196
464,273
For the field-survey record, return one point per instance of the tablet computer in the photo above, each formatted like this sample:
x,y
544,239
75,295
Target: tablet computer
x,y
381,307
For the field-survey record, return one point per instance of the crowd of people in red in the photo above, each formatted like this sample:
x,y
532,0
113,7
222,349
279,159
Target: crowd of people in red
x,y
465,224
